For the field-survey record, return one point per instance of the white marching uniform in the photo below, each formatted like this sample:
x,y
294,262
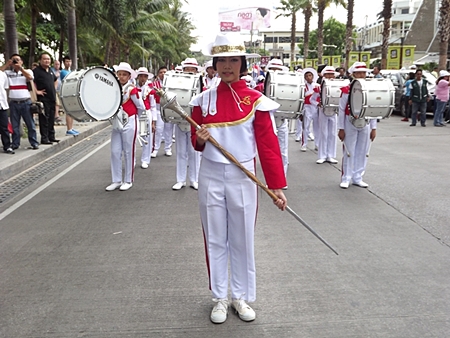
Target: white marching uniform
x,y
311,113
163,129
357,141
227,197
187,156
328,135
283,140
152,115
123,140
298,129
210,83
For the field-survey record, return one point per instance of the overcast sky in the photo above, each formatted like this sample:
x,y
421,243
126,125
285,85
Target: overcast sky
x,y
205,16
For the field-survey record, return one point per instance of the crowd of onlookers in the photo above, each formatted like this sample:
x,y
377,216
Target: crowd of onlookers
x,y
20,88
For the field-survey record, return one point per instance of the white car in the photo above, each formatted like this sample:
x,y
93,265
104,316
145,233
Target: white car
x,y
399,77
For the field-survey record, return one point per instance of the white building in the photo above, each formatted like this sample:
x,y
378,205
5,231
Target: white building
x,y
413,22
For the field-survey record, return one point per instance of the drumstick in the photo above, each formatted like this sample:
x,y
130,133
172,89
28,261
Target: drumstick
x,y
368,150
346,149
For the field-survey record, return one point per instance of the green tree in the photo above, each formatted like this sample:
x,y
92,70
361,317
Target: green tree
x,y
290,8
321,6
10,37
334,33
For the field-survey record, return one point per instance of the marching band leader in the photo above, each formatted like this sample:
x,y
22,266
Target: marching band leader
x,y
239,119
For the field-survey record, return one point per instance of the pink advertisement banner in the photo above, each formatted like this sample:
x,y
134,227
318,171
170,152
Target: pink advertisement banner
x,y
244,19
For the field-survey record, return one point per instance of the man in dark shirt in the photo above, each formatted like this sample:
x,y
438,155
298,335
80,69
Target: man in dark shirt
x,y
45,81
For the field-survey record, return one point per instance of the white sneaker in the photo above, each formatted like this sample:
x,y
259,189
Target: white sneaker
x,y
246,313
332,160
220,311
168,152
344,185
125,186
178,185
310,137
298,139
113,186
303,148
194,185
316,148
285,188
320,161
361,184
154,153
144,165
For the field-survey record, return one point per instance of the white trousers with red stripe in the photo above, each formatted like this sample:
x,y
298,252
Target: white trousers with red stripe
x,y
123,142
311,114
328,135
228,204
147,148
187,157
357,140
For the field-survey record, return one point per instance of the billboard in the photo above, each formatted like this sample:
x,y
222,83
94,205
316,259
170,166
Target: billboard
x,y
253,15
400,56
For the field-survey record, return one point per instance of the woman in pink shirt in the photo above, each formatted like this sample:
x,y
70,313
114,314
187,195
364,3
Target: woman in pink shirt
x,y
442,95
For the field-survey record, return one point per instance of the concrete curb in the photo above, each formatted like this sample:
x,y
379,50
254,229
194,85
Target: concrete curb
x,y
36,156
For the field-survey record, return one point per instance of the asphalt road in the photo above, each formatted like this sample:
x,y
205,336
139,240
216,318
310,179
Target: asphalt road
x,y
77,261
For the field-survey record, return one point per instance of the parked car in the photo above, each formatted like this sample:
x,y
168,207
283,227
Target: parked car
x,y
399,77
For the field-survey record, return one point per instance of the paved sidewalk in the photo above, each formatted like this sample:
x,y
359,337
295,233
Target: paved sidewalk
x,y
25,157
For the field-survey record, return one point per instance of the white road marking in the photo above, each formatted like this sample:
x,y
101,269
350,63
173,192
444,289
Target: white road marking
x,y
24,200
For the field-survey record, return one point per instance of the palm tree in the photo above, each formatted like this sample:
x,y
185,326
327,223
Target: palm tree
x,y
72,33
444,32
9,13
307,10
290,9
321,5
386,15
349,32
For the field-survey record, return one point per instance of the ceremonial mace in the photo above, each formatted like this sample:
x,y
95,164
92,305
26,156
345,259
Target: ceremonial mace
x,y
169,101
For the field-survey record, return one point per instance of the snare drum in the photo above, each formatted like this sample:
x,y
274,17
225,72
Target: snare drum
x,y
287,89
331,94
185,85
371,98
91,94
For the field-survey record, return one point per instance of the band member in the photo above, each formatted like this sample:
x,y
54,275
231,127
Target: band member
x,y
310,110
299,121
239,119
327,127
187,157
123,136
150,114
282,124
164,130
356,140
260,83
210,79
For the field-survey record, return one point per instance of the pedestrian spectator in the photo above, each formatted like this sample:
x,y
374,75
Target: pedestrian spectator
x,y
45,81
4,132
405,97
56,69
20,100
376,72
442,95
342,73
435,73
418,98
64,72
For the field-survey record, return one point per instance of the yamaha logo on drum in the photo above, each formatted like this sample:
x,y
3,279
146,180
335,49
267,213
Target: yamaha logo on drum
x,y
103,79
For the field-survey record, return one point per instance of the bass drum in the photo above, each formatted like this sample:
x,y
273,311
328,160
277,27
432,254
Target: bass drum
x,y
371,98
185,86
331,94
287,89
91,94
